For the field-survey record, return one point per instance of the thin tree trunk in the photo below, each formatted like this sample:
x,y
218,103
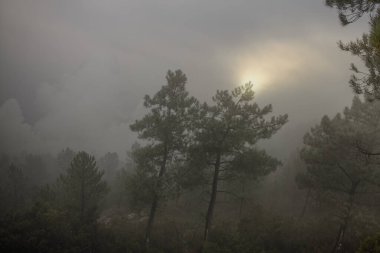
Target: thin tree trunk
x,y
338,246
306,203
154,205
82,197
242,200
152,215
214,190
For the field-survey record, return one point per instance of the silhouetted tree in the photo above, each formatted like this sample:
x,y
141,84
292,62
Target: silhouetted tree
x,y
334,162
226,133
164,129
83,187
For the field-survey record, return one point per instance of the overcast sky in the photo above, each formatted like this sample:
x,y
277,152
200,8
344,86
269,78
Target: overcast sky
x,y
73,73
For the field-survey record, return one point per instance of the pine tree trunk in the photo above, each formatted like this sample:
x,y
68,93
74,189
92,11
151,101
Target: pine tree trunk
x,y
242,200
152,215
214,190
154,205
306,203
82,197
338,246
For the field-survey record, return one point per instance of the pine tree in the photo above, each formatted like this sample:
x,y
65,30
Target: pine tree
x,y
226,133
335,161
352,10
366,48
164,129
83,188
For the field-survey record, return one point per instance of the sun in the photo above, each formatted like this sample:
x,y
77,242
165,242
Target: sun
x,y
248,77
255,78
249,70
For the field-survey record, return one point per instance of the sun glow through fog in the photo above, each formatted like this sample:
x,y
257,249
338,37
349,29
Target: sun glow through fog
x,y
270,66
256,78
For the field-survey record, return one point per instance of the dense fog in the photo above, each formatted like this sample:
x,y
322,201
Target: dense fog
x,y
189,126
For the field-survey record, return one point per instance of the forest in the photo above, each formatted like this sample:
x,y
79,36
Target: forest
x,y
198,179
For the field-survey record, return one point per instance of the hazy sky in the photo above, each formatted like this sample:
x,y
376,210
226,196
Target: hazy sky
x,y
74,72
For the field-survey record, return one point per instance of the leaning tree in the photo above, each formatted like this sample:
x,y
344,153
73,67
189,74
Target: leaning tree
x,y
164,131
225,136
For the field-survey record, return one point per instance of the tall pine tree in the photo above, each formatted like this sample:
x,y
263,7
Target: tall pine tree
x,y
164,130
226,133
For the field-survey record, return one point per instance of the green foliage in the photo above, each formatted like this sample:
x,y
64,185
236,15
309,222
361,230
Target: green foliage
x,y
367,48
165,124
225,137
336,153
165,129
235,121
43,228
231,127
83,188
333,150
375,33
352,10
143,182
252,163
63,216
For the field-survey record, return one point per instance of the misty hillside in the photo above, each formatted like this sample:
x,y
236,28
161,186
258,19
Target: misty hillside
x,y
190,126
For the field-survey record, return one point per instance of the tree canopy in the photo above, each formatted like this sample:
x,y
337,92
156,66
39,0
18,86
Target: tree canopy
x,y
352,10
366,48
165,131
225,135
83,187
335,160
